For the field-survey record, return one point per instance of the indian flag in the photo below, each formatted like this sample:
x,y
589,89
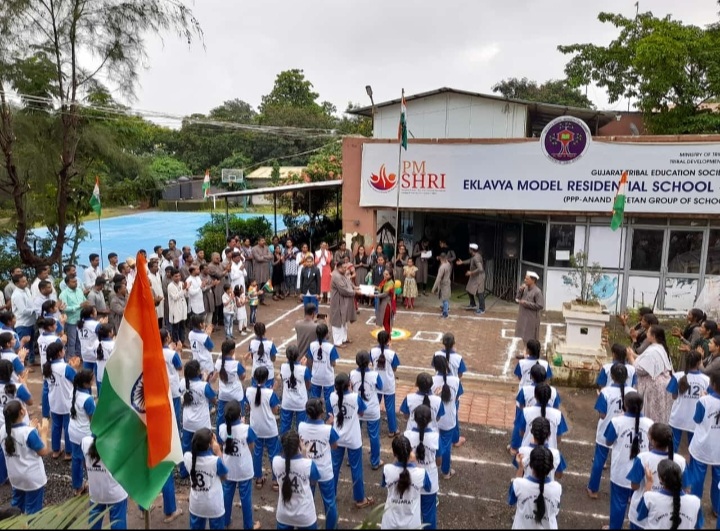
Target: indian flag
x,y
206,185
619,204
134,422
402,128
95,198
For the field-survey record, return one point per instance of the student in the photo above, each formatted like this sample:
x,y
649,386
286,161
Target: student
x,y
238,441
536,498
450,389
262,352
7,352
425,442
197,396
60,377
404,482
48,335
229,310
105,492
87,327
609,404
457,369
667,506
532,357
207,471
106,344
542,408
295,507
526,398
241,314
347,425
627,435
686,389
82,409
619,355
253,300
10,391
661,442
386,362
201,345
24,447
264,405
319,438
231,373
296,383
173,363
425,396
322,356
705,445
540,430
367,383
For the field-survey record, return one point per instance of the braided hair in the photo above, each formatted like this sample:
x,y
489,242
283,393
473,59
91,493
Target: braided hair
x,y
82,380
104,332
191,370
11,412
541,463
448,341
321,331
402,448
54,351
619,375
259,330
543,394
314,408
540,430
93,451
363,361
692,362
292,354
232,413
671,478
383,339
422,416
290,442
661,436
424,384
201,441
261,375
633,405
441,366
342,381
6,371
538,373
227,349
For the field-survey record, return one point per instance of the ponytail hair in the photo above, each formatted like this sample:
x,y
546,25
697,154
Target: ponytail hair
x,y
201,441
341,384
54,351
383,339
314,408
191,370
541,463
104,332
290,442
82,380
261,375
538,373
401,450
619,353
164,336
46,323
540,430
86,312
662,437
633,405
424,384
543,394
441,366
292,354
692,362
321,331
619,375
363,361
11,412
532,347
448,341
232,413
658,332
93,451
671,477
6,371
227,348
259,330
422,416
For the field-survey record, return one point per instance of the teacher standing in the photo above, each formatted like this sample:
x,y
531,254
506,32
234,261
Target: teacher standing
x,y
476,279
531,302
342,305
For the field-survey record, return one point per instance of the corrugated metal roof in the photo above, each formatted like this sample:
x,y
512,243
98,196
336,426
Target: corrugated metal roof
x,y
281,189
265,172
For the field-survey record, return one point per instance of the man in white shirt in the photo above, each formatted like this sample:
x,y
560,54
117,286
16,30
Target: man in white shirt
x,y
93,271
157,253
44,294
196,303
130,273
177,306
22,308
112,269
43,273
237,270
11,285
157,289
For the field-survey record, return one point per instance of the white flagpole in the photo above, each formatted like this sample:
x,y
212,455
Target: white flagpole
x,y
397,181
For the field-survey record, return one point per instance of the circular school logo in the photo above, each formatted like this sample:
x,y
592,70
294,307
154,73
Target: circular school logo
x,y
565,140
137,395
382,181
397,333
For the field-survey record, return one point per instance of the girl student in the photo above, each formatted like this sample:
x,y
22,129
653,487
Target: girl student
x,y
253,298
207,471
229,310
295,384
367,383
240,304
7,352
87,328
386,362
609,405
319,438
661,442
230,373
425,442
404,482
50,309
264,405
540,430
628,436
423,396
526,398
60,377
10,391
197,395
296,473
532,357
105,492
686,389
322,358
238,441
26,444
542,408
450,389
82,409
262,353
200,344
705,446
619,355
48,335
106,344
347,408
666,506
536,497
173,363
457,369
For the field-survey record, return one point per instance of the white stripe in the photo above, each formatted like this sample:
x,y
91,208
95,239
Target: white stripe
x,y
268,325
510,355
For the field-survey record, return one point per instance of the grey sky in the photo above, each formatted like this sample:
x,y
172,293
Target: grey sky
x,y
344,45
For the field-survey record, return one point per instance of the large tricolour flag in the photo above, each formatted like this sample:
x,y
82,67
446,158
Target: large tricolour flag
x,y
134,423
402,127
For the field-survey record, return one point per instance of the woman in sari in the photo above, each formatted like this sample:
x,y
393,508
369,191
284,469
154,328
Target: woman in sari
x,y
385,302
654,371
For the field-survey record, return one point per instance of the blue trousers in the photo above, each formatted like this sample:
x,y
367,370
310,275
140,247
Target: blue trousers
x,y
178,412
677,437
373,430
286,419
273,447
314,526
390,411
327,491
28,501
23,331
3,466
311,299
516,439
456,436
697,472
445,450
59,425
45,400
186,445
601,455
78,459
199,523
428,508
619,501
118,514
445,307
168,494
220,418
73,342
244,489
318,391
356,470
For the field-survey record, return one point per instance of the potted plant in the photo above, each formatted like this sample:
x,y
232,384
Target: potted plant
x,y
584,276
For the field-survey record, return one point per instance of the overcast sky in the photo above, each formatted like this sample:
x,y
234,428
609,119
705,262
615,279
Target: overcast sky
x,y
343,45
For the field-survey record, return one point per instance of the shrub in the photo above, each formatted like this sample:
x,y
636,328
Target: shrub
x,y
211,236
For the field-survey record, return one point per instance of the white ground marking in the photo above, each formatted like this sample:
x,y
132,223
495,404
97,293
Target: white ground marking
x,y
431,337
510,355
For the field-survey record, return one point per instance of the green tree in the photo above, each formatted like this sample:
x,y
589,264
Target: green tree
x,y
84,41
556,91
668,68
293,102
236,111
164,168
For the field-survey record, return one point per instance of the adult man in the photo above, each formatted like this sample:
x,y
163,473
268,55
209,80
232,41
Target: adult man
x,y
200,257
42,273
196,304
44,294
11,285
449,253
112,269
185,256
177,299
378,270
208,291
74,299
185,267
531,302
166,281
96,297
310,282
174,251
156,287
70,270
442,284
476,279
290,267
22,308
217,273
342,305
157,253
261,266
167,260
306,329
131,273
237,270
93,271
118,301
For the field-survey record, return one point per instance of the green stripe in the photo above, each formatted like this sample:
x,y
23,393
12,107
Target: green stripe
x,y
122,444
618,212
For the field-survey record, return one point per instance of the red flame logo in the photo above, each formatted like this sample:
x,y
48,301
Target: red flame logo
x,y
383,181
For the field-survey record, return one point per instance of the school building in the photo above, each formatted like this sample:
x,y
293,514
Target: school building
x,y
533,183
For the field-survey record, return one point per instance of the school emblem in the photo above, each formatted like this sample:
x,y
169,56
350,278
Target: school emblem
x,y
137,395
565,139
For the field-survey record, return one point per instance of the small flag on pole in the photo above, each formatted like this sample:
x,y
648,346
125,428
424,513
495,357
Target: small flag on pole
x,y
402,128
206,185
268,287
95,198
619,204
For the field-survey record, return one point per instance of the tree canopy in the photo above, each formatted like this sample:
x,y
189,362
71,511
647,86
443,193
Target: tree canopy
x,y
557,91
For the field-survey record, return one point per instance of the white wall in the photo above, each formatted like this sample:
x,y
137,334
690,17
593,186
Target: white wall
x,y
454,116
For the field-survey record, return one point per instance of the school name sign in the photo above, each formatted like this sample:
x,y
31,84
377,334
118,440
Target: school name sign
x,y
564,171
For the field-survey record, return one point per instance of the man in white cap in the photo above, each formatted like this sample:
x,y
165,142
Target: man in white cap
x,y
531,302
476,279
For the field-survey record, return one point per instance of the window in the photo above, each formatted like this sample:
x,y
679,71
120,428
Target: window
x,y
712,266
564,239
604,246
647,250
533,248
684,250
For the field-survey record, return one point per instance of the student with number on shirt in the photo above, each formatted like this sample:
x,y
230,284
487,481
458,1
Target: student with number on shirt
x,y
322,356
197,396
105,492
296,383
686,389
207,471
386,362
201,345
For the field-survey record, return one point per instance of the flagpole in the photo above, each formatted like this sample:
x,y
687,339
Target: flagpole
x,y
397,181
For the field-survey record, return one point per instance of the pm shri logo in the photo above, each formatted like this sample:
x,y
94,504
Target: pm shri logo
x,y
383,181
565,140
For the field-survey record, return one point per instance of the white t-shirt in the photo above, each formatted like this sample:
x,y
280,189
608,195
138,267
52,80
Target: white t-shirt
x,y
323,372
107,346
25,467
22,395
431,440
524,492
318,438
388,375
525,452
605,376
262,418
705,446
456,364
350,434
79,427
683,408
171,364
239,460
659,508
206,499
43,341
448,420
554,416
294,399
372,388
609,402
414,400
233,389
60,387
200,346
228,301
196,415
643,461
299,511
89,340
267,359
103,487
620,433
403,512
522,370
